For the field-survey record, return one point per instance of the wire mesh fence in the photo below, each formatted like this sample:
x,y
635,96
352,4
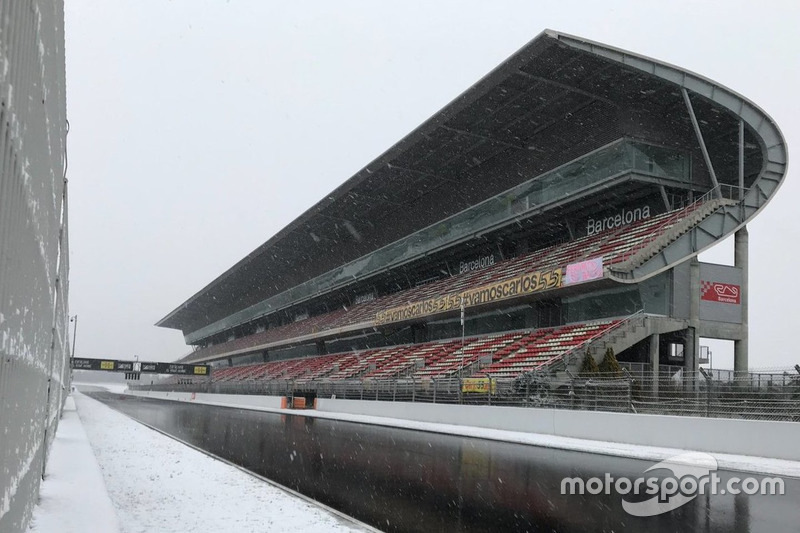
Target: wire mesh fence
x,y
636,389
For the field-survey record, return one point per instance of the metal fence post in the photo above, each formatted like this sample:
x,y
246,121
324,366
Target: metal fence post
x,y
572,396
526,400
435,385
630,396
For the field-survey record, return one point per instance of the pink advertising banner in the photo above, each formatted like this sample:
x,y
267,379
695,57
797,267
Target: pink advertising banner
x,y
584,271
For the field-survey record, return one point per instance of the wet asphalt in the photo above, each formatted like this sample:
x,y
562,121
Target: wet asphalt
x,y
405,480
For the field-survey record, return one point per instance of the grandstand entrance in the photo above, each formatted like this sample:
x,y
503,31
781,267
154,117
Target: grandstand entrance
x,y
303,399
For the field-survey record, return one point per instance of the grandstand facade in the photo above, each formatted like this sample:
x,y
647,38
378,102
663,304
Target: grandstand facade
x,y
555,208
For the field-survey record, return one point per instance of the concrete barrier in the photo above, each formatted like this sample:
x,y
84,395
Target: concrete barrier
x,y
714,435
757,438
245,401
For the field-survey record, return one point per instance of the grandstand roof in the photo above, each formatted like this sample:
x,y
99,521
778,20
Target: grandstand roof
x,y
557,98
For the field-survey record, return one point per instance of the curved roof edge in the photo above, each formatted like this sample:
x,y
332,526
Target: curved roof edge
x,y
774,147
728,219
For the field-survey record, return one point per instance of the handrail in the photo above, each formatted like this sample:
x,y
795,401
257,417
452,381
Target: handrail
x,y
668,224
566,356
665,227
680,214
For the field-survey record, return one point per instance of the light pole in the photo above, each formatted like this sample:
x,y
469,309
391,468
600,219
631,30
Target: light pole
x,y
461,365
74,320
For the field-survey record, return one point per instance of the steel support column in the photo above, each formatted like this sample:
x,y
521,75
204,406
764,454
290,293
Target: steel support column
x,y
741,160
740,347
692,345
654,358
701,142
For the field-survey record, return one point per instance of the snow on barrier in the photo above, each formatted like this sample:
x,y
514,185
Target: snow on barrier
x,y
759,438
34,320
245,401
755,438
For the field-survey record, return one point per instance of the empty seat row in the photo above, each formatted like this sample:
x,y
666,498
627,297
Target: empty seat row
x,y
612,245
498,355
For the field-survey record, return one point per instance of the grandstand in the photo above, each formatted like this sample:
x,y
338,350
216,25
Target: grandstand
x,y
555,208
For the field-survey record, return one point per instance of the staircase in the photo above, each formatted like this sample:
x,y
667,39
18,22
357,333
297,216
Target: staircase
x,y
621,336
683,221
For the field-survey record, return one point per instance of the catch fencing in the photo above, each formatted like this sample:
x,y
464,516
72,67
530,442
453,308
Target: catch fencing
x,y
717,393
34,253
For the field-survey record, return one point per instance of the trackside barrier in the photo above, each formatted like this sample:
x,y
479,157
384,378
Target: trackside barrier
x,y
715,394
224,400
760,438
739,437
35,374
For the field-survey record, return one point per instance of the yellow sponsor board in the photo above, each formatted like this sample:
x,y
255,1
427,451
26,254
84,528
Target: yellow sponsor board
x,y
528,283
200,370
106,365
478,385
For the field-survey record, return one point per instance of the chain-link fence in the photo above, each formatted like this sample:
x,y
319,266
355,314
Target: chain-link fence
x,y
763,396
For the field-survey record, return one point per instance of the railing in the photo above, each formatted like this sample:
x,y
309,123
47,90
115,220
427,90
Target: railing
x,y
666,226
758,396
565,360
725,191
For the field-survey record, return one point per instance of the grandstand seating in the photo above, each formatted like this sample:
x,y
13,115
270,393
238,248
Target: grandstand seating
x,y
503,355
543,346
467,355
415,356
614,246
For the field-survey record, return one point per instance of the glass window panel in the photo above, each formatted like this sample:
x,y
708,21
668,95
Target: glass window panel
x,y
613,160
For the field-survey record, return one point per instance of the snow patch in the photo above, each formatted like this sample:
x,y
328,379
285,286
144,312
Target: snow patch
x,y
155,483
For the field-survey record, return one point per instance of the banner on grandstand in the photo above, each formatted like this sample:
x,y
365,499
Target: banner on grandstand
x,y
584,271
714,291
525,284
479,385
721,295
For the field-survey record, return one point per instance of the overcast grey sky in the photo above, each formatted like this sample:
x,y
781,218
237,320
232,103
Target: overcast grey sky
x,y
198,129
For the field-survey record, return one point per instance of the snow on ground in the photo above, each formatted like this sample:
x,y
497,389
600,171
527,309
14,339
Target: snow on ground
x,y
110,474
74,483
157,485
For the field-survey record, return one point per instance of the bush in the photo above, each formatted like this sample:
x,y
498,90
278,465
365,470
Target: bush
x,y
589,366
609,365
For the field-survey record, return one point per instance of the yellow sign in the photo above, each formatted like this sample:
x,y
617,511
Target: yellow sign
x,y
525,284
478,385
200,370
106,365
